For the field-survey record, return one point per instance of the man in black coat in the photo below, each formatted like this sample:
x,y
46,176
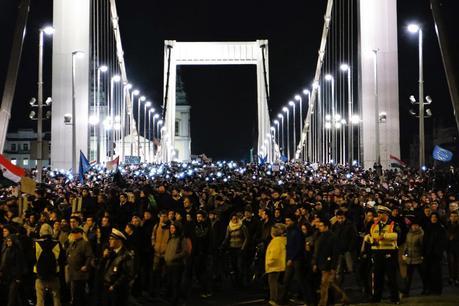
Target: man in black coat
x,y
118,271
346,235
325,260
435,242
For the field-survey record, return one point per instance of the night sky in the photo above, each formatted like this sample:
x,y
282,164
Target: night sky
x,y
223,98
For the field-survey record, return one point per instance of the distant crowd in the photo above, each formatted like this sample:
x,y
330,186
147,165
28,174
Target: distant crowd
x,y
293,231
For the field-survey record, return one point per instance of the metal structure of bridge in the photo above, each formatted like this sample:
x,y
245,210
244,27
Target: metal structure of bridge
x,y
100,108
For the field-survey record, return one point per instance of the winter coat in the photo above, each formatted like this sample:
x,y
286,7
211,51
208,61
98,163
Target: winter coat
x,y
159,238
12,263
236,236
202,236
119,269
79,254
276,255
346,235
295,243
413,250
176,251
435,240
326,252
453,236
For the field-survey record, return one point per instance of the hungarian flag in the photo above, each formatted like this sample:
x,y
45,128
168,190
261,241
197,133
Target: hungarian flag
x,y
10,171
396,162
113,164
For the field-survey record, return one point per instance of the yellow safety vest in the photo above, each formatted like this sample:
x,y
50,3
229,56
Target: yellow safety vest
x,y
383,236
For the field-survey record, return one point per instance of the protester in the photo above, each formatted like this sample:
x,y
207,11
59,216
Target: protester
x,y
159,230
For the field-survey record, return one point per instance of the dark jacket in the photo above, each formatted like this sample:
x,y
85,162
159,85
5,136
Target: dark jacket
x,y
45,245
435,240
202,238
453,236
295,243
79,254
326,252
119,269
346,234
12,263
413,250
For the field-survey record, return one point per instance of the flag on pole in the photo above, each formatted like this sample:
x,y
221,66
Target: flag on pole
x,y
396,162
262,160
10,171
113,164
83,167
442,154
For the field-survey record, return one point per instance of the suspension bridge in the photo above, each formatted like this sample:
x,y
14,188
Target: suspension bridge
x,y
347,114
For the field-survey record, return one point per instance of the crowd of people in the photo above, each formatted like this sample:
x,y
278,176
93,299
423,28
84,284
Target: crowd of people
x,y
293,231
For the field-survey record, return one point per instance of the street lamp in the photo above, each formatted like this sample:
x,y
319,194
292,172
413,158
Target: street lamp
x,y
286,110
97,129
134,93
146,106
350,155
276,122
139,101
280,116
414,28
75,55
331,79
48,30
155,116
292,104
115,79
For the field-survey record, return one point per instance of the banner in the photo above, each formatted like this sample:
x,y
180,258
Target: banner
x,y
28,185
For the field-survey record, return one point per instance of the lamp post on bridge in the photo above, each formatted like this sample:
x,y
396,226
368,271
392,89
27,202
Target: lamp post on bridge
x,y
292,104
153,135
331,79
48,31
276,122
134,93
414,28
98,127
146,106
115,79
280,116
286,110
139,101
350,137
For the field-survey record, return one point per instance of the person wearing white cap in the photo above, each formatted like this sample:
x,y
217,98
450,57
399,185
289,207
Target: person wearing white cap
x,y
383,239
118,271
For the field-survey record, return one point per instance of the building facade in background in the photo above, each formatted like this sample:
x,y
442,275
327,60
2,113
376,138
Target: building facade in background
x,y
18,148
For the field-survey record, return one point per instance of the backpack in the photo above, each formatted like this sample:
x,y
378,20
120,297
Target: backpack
x,y
47,263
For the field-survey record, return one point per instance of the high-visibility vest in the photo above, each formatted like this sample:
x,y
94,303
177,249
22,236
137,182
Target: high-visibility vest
x,y
387,233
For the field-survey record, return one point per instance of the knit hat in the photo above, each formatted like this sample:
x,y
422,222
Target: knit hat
x,y
46,230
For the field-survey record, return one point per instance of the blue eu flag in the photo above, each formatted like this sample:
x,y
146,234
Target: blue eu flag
x,y
442,154
84,166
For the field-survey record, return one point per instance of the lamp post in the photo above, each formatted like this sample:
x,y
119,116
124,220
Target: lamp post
x,y
126,89
139,101
114,79
331,79
48,31
414,28
150,116
75,55
346,68
286,110
292,104
146,106
134,93
152,135
276,122
280,116
98,128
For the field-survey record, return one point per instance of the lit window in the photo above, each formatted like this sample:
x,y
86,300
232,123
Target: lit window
x,y
25,162
14,161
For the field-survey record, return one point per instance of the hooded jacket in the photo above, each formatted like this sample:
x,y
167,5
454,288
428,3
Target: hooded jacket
x,y
412,253
176,249
276,255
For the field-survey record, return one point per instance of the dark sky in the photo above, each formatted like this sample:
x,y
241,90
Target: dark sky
x,y
223,98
